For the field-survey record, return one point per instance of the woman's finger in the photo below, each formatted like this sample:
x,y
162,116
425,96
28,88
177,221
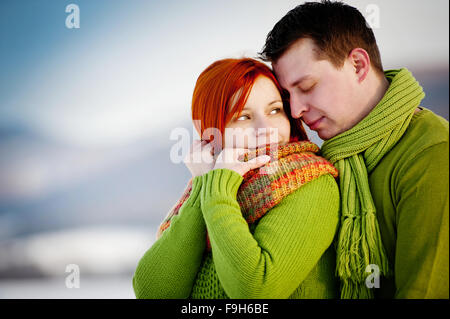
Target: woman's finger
x,y
237,153
207,145
240,151
258,162
196,144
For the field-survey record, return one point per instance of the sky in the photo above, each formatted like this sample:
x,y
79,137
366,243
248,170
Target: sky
x,y
130,69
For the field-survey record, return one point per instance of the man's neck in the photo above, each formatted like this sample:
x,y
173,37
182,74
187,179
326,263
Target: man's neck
x,y
377,88
382,85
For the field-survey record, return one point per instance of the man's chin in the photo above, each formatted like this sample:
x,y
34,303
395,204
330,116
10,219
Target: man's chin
x,y
325,135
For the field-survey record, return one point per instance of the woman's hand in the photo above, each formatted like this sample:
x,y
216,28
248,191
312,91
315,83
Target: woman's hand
x,y
200,159
228,158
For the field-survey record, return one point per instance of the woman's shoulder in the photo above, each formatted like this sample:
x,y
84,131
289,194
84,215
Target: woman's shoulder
x,y
318,193
314,203
322,186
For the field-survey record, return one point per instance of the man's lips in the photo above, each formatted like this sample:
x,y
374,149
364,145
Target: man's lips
x,y
314,124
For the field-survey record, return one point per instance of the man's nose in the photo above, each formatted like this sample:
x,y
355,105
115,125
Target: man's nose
x,y
298,107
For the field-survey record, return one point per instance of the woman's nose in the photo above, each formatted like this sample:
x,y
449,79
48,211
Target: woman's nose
x,y
266,129
261,125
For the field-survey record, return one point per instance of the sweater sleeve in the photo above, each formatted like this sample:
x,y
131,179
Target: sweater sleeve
x,y
168,269
422,251
287,242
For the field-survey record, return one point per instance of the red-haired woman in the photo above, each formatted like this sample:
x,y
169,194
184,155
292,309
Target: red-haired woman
x,y
258,218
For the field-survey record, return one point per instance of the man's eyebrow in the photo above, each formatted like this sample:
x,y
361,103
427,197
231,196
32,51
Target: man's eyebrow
x,y
296,82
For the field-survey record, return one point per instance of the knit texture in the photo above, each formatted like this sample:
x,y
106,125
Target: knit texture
x,y
410,189
318,284
285,254
356,153
291,166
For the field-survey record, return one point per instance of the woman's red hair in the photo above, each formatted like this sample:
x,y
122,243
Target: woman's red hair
x,y
216,87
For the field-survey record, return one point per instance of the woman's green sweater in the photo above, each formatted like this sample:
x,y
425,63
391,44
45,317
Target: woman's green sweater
x,y
285,254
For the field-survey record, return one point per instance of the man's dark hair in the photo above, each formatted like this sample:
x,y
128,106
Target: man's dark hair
x,y
336,29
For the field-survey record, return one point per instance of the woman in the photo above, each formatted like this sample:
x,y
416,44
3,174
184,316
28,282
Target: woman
x,y
247,226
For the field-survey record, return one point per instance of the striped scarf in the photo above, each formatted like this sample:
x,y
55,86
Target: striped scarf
x,y
291,166
355,153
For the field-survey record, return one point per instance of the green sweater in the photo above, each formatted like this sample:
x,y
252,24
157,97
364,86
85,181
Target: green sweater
x,y
285,254
410,188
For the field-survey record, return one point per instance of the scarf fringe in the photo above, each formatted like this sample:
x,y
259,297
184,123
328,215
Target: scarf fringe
x,y
351,290
359,246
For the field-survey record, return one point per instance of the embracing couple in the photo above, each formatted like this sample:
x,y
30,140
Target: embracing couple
x,y
366,216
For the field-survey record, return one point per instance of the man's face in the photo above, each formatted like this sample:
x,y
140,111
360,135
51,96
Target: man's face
x,y
324,97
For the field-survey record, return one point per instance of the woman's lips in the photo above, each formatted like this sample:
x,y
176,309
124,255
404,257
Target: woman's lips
x,y
314,125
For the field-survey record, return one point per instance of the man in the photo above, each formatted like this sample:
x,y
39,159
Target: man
x,y
391,153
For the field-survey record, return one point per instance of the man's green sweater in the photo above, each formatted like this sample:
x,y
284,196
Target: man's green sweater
x,y
286,254
410,188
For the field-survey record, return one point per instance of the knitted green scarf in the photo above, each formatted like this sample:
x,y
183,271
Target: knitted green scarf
x,y
291,166
355,153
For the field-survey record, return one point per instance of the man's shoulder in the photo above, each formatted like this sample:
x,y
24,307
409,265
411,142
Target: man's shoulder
x,y
427,138
430,125
425,130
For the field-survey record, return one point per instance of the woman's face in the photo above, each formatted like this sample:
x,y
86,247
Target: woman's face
x,y
262,121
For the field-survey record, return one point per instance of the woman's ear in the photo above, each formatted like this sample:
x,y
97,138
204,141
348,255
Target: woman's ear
x,y
360,61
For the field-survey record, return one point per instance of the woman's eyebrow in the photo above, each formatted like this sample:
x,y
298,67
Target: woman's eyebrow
x,y
275,101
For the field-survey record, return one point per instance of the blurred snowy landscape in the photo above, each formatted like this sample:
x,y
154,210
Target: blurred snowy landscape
x,y
96,208
112,287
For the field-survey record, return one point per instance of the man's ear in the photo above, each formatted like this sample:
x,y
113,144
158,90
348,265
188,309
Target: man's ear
x,y
360,60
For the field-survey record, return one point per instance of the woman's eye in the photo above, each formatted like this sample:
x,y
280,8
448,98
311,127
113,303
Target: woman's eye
x,y
278,110
242,116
